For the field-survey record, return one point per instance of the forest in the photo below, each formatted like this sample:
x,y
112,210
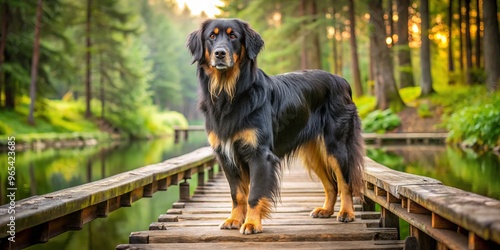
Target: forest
x,y
121,66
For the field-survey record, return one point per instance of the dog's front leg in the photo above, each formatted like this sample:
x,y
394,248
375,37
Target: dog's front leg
x,y
264,187
238,183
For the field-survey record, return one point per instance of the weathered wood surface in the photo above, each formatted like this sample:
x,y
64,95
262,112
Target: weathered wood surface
x,y
40,218
194,223
454,218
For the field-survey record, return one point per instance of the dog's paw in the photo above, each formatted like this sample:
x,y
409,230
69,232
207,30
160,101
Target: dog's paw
x,y
230,224
344,216
320,212
251,228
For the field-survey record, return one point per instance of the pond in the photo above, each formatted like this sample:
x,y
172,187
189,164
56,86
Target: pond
x,y
41,172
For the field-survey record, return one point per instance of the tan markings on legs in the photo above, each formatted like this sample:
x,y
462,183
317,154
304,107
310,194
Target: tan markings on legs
x,y
238,212
346,213
248,137
253,221
213,140
313,154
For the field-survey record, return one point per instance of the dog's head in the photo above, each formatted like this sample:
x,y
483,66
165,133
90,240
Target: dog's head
x,y
220,44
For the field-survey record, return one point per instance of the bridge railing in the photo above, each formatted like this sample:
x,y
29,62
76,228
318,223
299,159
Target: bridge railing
x,y
440,217
39,218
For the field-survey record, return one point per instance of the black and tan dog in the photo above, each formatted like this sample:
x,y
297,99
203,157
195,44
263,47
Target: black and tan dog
x,y
253,121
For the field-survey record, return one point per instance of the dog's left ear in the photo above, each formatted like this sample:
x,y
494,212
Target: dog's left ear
x,y
195,45
253,41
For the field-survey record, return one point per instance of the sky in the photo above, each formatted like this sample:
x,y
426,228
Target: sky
x,y
197,6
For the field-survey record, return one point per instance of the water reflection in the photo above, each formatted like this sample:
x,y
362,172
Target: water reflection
x,y
41,172
465,170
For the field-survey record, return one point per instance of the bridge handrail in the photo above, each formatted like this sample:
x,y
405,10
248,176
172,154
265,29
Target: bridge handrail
x,y
41,217
452,217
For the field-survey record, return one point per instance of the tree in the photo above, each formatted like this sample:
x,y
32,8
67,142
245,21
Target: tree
x,y
88,58
451,66
425,57
468,44
358,89
3,41
491,45
478,35
403,47
385,84
34,64
461,36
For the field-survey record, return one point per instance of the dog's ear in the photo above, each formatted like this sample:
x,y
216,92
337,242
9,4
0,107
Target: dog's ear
x,y
253,41
195,45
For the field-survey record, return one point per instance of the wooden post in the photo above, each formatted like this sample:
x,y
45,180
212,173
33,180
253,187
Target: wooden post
x,y
369,204
184,191
186,134
424,240
211,172
389,219
201,175
176,136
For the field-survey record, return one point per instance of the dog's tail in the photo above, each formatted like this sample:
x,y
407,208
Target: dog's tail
x,y
348,147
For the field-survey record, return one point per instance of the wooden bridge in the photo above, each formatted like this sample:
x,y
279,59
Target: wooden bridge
x,y
372,138
440,217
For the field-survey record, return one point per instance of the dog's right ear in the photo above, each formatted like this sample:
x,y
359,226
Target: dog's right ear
x,y
195,45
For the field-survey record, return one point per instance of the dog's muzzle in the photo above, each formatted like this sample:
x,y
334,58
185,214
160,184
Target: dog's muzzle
x,y
220,60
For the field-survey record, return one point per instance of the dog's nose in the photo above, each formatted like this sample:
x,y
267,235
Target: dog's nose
x,y
220,53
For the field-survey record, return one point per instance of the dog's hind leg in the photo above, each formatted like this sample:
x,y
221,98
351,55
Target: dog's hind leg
x,y
313,155
264,189
346,213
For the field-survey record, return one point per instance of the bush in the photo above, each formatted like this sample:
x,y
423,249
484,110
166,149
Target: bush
x,y
5,129
478,124
380,121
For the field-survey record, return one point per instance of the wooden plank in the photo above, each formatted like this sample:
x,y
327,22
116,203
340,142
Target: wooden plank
x,y
415,208
442,223
311,245
349,231
266,222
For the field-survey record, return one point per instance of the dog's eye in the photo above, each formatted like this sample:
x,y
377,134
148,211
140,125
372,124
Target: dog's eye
x,y
212,36
232,36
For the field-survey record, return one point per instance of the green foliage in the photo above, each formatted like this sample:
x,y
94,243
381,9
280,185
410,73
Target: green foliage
x,y
423,110
410,95
477,125
365,105
380,121
5,129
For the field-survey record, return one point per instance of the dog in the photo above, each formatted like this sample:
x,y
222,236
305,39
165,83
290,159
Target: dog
x,y
254,122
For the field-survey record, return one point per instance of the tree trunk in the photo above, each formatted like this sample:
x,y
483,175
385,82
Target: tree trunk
x,y
478,35
303,46
334,42
3,42
403,47
468,44
390,22
385,87
358,89
491,45
341,50
34,63
451,66
101,76
314,45
88,94
460,21
425,54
